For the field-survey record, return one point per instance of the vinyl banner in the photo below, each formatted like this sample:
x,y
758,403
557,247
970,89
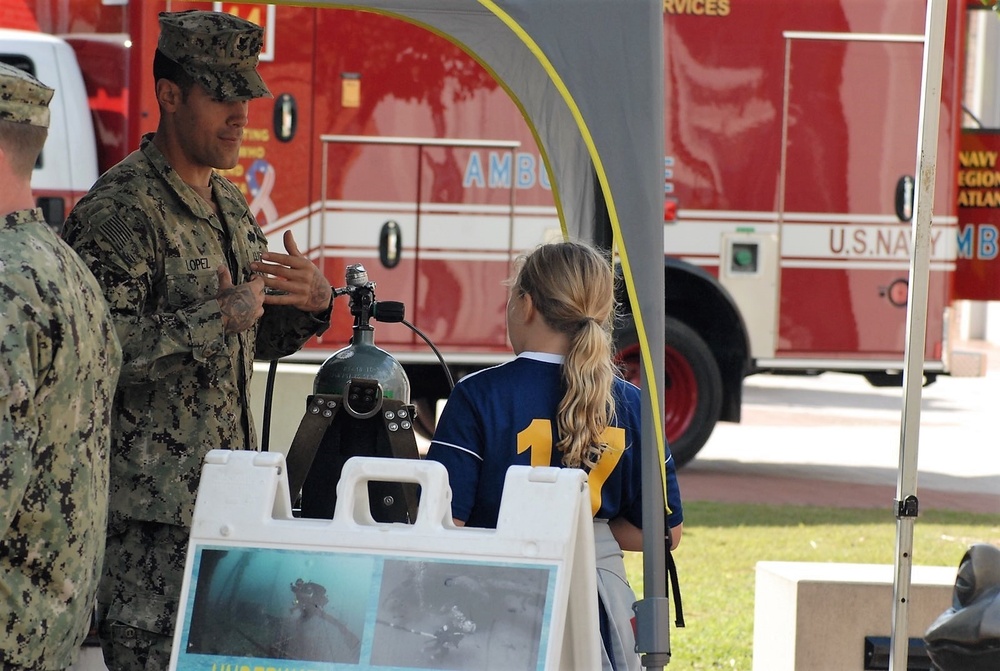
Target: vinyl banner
x,y
977,269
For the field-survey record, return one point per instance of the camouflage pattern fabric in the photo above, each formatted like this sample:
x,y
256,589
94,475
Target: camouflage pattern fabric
x,y
219,50
139,596
59,362
23,99
154,246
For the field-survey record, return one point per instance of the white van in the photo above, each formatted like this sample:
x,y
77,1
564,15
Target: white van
x,y
67,167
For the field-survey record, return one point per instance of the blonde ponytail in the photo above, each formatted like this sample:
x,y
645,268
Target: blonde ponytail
x,y
572,286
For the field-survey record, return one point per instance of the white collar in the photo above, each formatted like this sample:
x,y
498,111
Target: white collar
x,y
544,357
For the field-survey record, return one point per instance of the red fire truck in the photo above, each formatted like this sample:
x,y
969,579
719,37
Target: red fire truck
x,y
790,149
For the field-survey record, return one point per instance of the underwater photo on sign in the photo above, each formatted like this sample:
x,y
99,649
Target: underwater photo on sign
x,y
451,615
279,604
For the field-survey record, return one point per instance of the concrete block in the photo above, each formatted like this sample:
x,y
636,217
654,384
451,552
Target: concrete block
x,y
811,616
967,363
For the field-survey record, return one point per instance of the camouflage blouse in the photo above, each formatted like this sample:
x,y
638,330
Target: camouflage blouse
x,y
154,246
59,362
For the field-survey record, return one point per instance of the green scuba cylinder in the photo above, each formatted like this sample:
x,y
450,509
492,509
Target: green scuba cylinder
x,y
365,398
361,359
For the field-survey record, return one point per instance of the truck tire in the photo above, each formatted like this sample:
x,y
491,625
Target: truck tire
x,y
692,384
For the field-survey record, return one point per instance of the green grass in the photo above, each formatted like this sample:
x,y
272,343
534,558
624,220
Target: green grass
x,y
722,544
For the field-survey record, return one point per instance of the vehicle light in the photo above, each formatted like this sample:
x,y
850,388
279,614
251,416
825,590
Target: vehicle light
x,y
743,258
670,210
897,292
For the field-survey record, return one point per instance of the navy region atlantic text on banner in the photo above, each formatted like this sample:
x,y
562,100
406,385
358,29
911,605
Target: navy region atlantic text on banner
x,y
977,270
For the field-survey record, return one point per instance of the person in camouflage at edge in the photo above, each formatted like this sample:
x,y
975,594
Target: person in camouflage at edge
x,y
59,362
184,267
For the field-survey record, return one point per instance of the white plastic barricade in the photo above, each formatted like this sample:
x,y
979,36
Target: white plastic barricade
x,y
267,591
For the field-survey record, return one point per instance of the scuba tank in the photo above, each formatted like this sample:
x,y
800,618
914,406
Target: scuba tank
x,y
361,358
361,404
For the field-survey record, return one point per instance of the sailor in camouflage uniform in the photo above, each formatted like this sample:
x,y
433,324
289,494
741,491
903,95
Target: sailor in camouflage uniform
x,y
59,362
184,267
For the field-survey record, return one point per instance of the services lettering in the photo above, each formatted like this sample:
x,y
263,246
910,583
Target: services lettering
x,y
697,7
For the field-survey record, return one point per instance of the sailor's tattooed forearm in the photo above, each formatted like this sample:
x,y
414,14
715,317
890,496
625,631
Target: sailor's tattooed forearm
x,y
239,309
319,294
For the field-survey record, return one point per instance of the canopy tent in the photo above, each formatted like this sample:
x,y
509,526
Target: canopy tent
x,y
588,77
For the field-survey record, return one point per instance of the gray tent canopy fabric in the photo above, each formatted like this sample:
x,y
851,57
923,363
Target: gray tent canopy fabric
x,y
588,76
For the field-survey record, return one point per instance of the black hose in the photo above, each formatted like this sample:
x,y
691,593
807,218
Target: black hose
x,y
272,371
447,372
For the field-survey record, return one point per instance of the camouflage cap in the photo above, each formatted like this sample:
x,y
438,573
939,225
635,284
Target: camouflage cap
x,y
219,50
23,99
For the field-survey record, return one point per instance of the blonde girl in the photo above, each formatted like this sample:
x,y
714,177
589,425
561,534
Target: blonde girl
x,y
562,396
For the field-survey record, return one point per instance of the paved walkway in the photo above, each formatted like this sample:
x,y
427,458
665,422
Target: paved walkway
x,y
727,477
739,484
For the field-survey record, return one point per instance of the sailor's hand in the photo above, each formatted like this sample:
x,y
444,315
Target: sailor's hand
x,y
294,278
241,305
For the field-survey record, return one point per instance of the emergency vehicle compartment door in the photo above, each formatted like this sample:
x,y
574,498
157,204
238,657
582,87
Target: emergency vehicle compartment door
x,y
849,120
454,252
749,272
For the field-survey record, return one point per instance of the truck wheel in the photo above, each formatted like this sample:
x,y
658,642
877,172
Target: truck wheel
x,y
692,384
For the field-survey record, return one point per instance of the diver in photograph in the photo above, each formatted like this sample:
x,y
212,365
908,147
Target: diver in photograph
x,y
450,634
315,634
